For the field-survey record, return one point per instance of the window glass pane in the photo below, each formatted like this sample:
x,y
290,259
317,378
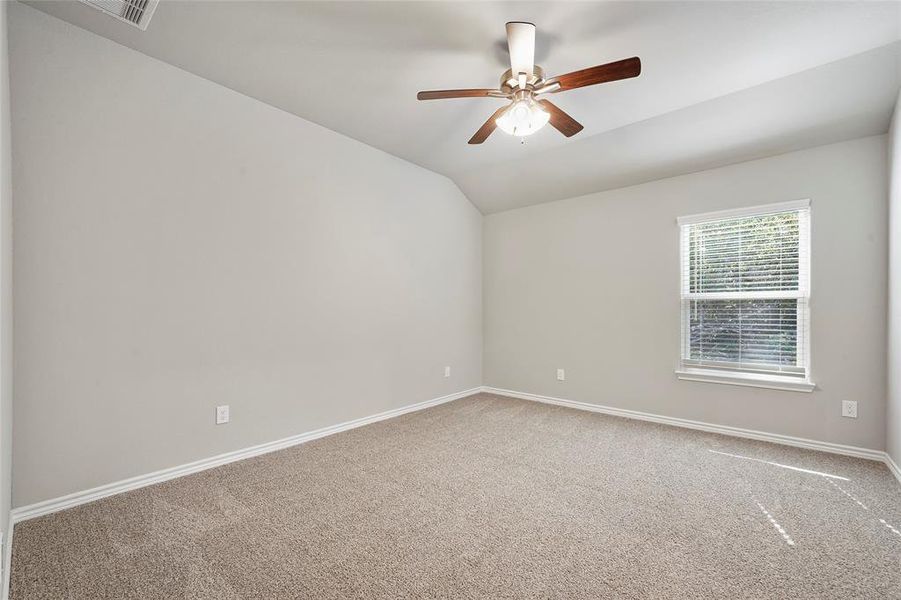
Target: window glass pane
x,y
750,332
745,254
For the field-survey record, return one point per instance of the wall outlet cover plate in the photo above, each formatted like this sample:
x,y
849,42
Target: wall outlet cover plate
x,y
849,408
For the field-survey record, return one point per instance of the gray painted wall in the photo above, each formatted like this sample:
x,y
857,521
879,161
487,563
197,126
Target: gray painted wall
x,y
6,314
591,284
179,245
893,410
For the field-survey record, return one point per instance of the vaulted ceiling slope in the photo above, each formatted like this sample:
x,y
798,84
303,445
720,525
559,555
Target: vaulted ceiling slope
x,y
721,81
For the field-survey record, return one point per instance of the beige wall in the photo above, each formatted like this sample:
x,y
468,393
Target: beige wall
x,y
591,284
893,410
179,245
6,228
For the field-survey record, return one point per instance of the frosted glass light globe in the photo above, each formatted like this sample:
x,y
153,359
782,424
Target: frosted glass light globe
x,y
523,118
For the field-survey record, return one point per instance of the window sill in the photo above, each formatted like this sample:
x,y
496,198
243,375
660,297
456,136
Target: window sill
x,y
775,382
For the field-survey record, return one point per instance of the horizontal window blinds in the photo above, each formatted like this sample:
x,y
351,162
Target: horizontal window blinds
x,y
745,290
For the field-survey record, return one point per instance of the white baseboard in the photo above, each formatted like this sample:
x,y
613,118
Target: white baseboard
x,y
775,438
893,467
7,559
38,509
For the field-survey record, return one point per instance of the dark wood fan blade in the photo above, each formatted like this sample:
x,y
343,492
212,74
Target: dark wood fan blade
x,y
441,94
561,121
488,128
621,69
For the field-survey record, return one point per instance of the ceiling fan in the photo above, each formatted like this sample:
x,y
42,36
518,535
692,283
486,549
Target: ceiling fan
x,y
524,81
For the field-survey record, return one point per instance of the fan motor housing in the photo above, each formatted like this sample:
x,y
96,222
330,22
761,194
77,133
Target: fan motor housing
x,y
510,82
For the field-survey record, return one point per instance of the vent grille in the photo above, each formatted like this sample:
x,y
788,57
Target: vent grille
x,y
134,12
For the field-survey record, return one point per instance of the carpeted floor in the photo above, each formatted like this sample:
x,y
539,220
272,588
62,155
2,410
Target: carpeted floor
x,y
486,497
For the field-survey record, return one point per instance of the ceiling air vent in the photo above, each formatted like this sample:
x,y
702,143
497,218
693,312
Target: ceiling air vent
x,y
134,12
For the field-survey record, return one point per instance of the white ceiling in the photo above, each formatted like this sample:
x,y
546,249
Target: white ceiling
x,y
721,81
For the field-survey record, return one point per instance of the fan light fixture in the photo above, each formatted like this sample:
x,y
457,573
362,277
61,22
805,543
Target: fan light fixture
x,y
524,117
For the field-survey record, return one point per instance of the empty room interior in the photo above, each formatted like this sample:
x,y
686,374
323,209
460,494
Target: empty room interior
x,y
450,300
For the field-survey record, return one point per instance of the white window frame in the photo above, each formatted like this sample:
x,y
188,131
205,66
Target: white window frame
x,y
745,377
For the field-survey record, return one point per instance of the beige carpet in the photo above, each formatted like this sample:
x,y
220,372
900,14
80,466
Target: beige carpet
x,y
486,497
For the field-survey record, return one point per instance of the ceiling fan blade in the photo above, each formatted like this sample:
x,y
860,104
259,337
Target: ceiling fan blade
x,y
472,93
547,88
561,121
621,69
488,127
521,42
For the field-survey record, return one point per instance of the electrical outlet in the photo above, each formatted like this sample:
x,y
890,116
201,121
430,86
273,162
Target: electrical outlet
x,y
447,371
222,414
561,375
849,408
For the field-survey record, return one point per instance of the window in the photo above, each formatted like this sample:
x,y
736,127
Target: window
x,y
745,293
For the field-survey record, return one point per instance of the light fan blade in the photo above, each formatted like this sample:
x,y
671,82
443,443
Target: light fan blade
x,y
521,42
621,69
471,93
488,127
561,121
